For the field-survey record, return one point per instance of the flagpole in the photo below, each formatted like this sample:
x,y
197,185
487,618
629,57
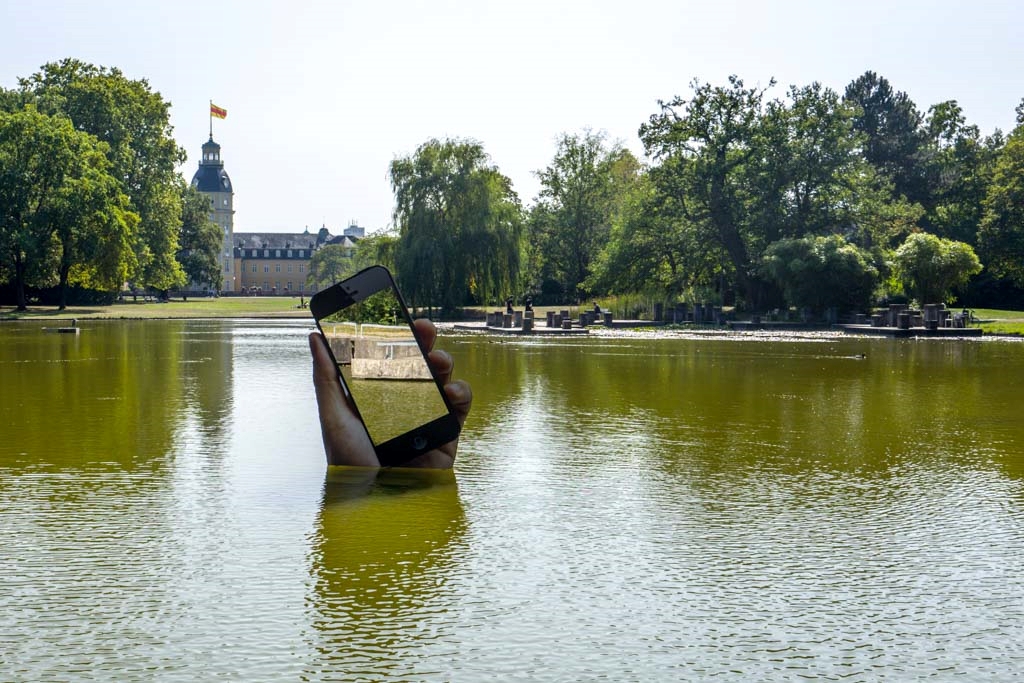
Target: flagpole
x,y
211,119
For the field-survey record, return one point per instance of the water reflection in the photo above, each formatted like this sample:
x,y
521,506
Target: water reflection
x,y
383,550
627,509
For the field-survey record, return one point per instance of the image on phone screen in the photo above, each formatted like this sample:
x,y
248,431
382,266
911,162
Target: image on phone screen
x,y
383,367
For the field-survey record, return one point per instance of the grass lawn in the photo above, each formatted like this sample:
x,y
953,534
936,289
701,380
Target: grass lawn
x,y
223,307
999,322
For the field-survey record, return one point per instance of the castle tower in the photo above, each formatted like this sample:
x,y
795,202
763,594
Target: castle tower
x,y
212,180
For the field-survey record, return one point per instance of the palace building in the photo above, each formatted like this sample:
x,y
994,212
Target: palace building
x,y
260,262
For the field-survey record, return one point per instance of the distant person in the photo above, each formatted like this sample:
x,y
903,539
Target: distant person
x,y
529,304
345,440
508,306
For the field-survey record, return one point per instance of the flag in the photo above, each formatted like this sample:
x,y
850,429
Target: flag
x,y
217,111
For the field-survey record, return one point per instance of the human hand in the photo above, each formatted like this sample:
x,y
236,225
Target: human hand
x,y
345,439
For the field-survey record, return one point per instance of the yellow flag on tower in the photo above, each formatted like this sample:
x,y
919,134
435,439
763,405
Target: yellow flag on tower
x,y
217,111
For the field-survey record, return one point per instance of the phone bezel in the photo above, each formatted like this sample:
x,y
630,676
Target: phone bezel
x,y
404,447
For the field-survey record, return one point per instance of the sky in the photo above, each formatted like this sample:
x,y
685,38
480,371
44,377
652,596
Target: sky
x,y
322,96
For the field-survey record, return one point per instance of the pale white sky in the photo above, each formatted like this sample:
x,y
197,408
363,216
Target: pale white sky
x,y
322,95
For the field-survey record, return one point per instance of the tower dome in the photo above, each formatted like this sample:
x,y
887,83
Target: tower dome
x,y
211,176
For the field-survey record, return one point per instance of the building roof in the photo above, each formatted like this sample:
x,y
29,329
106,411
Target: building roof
x,y
275,240
211,178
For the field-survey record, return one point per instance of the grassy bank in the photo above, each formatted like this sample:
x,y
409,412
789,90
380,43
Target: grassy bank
x,y
993,321
224,307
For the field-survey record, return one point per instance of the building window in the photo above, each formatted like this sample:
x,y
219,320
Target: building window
x,y
266,253
289,285
266,269
302,268
302,253
254,267
289,267
277,267
266,285
302,286
289,253
277,284
277,253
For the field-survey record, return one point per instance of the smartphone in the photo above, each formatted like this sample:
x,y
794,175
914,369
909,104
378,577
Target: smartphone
x,y
382,366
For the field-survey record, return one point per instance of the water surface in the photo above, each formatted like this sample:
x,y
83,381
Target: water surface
x,y
622,508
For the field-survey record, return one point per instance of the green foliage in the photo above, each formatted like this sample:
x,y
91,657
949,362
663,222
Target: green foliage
x,y
819,272
200,240
931,267
894,141
59,206
582,190
379,309
134,122
331,263
739,172
1001,234
653,247
459,226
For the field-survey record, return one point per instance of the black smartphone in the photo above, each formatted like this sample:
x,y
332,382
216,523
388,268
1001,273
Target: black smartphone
x,y
383,367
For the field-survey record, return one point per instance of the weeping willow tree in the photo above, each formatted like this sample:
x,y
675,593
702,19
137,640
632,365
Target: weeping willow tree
x,y
459,226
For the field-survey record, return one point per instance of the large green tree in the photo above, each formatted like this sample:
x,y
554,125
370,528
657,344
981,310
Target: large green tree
x,y
958,169
703,146
200,239
1001,234
134,122
581,191
459,226
930,268
59,207
894,139
654,248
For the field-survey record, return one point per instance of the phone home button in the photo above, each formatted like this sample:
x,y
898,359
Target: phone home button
x,y
419,442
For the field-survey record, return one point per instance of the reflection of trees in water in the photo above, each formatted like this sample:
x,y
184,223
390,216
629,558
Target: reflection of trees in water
x,y
383,550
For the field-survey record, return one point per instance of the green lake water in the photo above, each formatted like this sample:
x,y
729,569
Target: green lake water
x,y
623,508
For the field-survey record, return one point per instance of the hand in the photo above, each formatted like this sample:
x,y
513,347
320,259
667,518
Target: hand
x,y
345,440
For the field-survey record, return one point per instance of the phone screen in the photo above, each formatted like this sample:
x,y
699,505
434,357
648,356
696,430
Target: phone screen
x,y
382,365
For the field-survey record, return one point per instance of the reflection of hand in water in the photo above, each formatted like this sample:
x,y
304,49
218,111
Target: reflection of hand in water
x,y
386,543
345,440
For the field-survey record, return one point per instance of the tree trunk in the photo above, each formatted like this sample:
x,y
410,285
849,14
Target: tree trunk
x,y
64,269
19,284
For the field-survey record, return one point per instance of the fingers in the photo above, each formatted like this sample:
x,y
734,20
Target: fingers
x,y
425,332
461,397
345,439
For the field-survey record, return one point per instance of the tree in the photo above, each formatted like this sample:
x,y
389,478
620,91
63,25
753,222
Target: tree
x,y
93,228
820,272
57,203
931,267
580,191
743,172
1001,233
704,144
894,140
653,247
331,263
459,226
958,170
134,122
199,241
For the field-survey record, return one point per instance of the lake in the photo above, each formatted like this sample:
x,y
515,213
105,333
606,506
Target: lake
x,y
627,508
